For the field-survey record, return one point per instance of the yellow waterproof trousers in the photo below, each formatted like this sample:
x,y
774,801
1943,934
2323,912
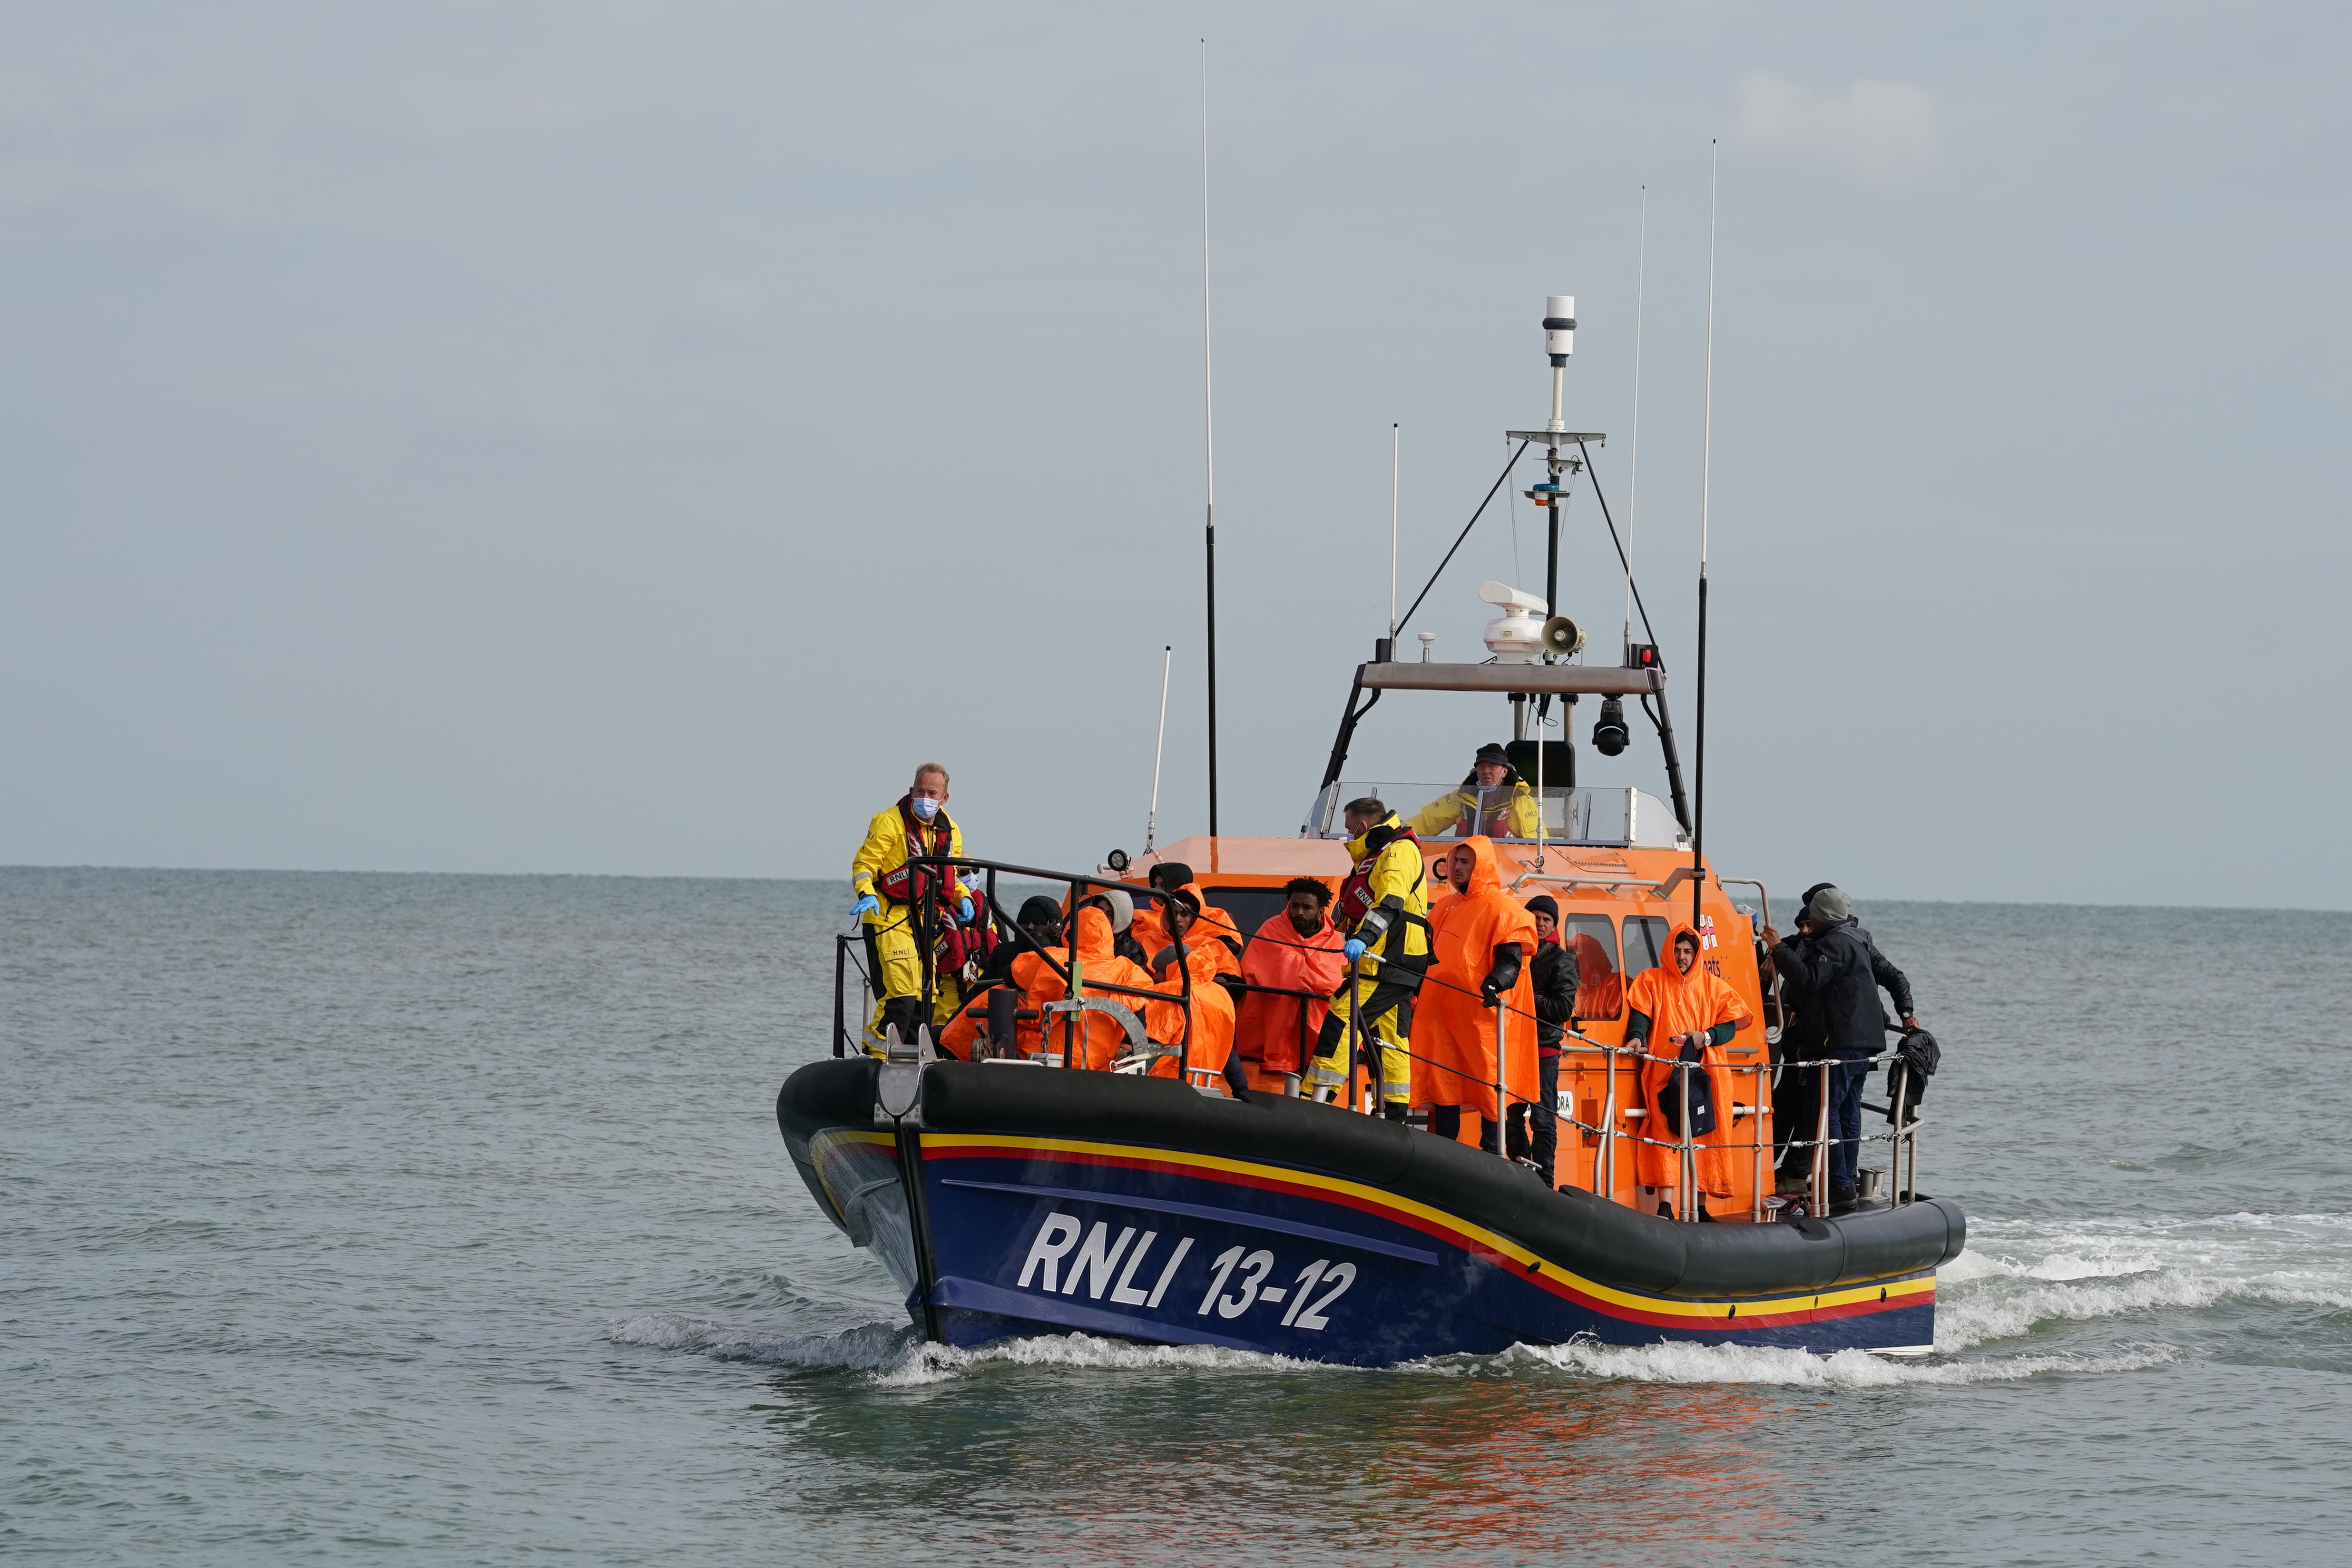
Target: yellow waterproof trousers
x,y
1385,1010
898,969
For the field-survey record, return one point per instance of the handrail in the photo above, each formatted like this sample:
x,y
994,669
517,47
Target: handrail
x,y
1903,1137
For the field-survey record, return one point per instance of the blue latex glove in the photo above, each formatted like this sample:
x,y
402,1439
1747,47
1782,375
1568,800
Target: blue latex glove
x,y
866,904
964,908
1354,949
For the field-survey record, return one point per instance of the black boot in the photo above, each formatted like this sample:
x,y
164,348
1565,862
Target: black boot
x,y
1396,1110
1446,1120
903,1017
1841,1201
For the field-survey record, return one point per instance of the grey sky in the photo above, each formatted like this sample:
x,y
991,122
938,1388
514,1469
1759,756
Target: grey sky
x,y
625,437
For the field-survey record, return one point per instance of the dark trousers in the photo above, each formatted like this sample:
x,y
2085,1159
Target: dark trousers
x,y
1845,1121
1795,1114
1544,1147
1446,1120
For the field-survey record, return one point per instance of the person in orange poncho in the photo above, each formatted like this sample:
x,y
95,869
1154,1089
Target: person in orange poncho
x,y
1483,943
1678,1005
1041,918
1095,928
1297,950
1210,1046
1217,927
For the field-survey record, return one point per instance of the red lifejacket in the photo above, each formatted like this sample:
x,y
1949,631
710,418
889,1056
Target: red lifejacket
x,y
1356,893
904,884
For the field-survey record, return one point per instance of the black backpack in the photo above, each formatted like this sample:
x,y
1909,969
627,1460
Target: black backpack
x,y
1702,1096
1916,1058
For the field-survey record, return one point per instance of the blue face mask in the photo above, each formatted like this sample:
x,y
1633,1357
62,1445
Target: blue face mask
x,y
925,809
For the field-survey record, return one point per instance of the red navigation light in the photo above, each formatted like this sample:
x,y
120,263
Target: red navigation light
x,y
1642,656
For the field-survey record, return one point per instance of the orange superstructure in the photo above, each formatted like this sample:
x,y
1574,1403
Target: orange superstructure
x,y
1624,899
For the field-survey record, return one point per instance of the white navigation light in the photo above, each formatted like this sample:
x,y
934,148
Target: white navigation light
x,y
1516,636
1559,326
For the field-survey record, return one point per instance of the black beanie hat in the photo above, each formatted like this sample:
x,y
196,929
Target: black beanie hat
x,y
1492,752
1544,904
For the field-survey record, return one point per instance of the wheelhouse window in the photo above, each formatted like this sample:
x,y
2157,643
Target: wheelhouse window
x,y
1250,907
1592,942
1646,942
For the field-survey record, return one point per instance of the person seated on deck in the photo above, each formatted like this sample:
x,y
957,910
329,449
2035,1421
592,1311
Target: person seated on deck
x,y
1494,802
1101,918
1041,918
1296,950
1690,1014
1208,1042
1151,929
1482,978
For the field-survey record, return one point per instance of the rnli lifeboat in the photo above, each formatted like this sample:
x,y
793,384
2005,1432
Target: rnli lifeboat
x,y
1017,1194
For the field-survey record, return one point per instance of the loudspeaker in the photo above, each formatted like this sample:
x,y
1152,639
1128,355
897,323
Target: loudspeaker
x,y
1561,637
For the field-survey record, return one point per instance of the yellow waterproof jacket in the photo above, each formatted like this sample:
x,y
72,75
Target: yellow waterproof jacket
x,y
1389,866
1509,811
886,848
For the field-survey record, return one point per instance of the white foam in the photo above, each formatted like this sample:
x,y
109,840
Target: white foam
x,y
933,1364
1685,1362
2019,1275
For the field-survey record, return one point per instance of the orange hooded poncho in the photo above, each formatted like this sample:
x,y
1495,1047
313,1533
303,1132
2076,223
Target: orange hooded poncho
x,y
1215,929
1677,1005
1452,1028
1102,1039
1212,1007
1269,1028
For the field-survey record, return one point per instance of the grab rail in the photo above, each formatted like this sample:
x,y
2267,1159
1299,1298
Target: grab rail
x,y
1903,1138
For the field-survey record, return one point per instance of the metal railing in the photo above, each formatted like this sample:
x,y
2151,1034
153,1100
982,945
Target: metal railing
x,y
928,916
1903,1136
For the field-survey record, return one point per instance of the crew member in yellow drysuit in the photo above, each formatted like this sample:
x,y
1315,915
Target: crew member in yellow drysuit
x,y
1493,802
888,893
1384,910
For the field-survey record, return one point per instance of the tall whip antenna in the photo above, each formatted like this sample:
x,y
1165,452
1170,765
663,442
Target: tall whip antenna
x,y
1158,750
1396,453
1705,472
1633,461
1209,438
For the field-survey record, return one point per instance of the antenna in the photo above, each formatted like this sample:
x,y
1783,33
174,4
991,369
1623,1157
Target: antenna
x,y
1705,472
1158,750
1633,458
1209,438
1396,453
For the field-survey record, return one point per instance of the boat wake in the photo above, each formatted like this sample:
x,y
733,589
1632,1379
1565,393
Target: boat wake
x,y
2018,1278
891,1355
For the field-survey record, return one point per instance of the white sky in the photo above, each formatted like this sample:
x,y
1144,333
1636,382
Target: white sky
x,y
626,437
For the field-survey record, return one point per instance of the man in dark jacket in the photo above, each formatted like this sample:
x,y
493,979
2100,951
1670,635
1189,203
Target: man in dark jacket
x,y
1555,984
1836,971
1805,1037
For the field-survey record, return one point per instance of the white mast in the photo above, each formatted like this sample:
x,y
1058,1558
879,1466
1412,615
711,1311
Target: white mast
x,y
1158,750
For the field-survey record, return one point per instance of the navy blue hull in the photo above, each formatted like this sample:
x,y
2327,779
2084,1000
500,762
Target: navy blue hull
x,y
1016,1232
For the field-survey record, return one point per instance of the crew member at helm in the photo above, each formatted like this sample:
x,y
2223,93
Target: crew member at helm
x,y
889,894
1494,802
1385,912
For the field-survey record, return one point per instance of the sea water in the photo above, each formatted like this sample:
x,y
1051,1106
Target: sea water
x,y
446,1219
